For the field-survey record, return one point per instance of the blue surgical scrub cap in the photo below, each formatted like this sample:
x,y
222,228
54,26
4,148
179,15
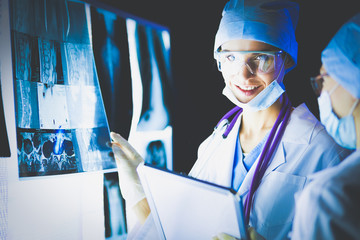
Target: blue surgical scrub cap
x,y
269,21
341,57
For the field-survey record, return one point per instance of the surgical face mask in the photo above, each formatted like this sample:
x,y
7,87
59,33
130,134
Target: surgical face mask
x,y
343,129
262,101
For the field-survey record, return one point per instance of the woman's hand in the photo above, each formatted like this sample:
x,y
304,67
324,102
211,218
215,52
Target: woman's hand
x,y
252,234
224,236
127,160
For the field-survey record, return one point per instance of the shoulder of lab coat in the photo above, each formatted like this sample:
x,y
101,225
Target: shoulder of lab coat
x,y
306,130
306,135
305,148
328,208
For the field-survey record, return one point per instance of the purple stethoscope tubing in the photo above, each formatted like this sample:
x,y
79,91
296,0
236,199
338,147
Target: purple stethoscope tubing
x,y
269,148
232,123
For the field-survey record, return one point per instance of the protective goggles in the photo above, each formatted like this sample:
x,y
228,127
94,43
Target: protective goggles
x,y
257,62
317,83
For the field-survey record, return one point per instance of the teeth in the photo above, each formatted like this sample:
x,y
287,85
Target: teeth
x,y
247,88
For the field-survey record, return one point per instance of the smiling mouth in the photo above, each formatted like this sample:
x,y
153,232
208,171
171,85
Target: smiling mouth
x,y
248,90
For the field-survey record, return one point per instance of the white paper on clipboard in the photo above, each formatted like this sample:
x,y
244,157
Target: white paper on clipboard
x,y
187,208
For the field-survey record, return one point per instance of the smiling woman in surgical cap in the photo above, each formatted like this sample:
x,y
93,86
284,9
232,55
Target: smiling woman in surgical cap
x,y
329,208
264,148
266,157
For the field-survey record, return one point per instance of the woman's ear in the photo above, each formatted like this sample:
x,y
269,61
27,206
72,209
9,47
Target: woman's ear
x,y
288,62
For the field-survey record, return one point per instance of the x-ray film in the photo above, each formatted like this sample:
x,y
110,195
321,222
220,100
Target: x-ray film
x,y
114,208
151,131
111,52
61,122
27,114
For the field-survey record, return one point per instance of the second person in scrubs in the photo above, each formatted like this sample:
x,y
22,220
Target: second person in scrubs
x,y
328,208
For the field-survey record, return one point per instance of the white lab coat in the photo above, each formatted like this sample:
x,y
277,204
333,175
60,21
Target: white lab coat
x,y
329,207
305,148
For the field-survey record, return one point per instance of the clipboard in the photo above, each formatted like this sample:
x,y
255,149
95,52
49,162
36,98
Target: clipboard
x,y
184,207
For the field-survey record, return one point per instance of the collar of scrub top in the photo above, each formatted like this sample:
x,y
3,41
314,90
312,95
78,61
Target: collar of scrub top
x,y
269,148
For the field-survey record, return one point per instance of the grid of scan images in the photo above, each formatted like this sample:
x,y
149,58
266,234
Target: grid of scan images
x,y
61,121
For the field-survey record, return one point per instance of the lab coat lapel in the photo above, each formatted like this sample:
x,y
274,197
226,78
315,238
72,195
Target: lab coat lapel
x,y
278,158
226,155
292,135
215,163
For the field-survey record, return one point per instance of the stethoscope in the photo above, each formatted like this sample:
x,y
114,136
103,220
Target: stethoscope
x,y
235,111
268,150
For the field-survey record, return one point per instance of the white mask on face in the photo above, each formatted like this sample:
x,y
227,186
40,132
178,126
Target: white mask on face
x,y
262,101
342,130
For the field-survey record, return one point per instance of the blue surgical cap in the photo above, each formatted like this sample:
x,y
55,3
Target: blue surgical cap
x,y
341,57
269,21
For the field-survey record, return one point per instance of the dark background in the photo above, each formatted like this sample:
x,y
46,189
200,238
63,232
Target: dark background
x,y
199,103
